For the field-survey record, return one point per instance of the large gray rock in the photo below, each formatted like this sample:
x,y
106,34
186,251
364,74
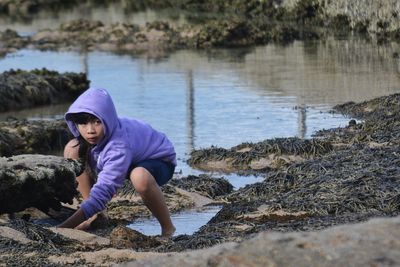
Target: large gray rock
x,y
373,243
36,181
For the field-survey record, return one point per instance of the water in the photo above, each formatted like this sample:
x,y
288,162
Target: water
x,y
225,97
186,223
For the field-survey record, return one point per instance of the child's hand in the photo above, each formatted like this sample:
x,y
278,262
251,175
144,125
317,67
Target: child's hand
x,y
86,224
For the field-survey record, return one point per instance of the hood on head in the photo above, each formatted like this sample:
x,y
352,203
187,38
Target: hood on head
x,y
98,102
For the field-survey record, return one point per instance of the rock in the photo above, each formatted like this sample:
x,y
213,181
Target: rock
x,y
32,136
23,89
102,257
13,234
82,236
374,243
36,181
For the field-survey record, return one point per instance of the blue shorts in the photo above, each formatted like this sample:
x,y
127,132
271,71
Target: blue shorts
x,y
161,170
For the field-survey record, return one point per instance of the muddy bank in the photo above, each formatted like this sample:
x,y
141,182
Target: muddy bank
x,y
23,89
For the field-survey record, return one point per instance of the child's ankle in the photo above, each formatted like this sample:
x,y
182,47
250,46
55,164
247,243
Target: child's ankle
x,y
169,232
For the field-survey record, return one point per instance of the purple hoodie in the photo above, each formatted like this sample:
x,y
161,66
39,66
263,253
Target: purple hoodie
x,y
126,142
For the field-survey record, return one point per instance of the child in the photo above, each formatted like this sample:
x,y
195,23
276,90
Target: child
x,y
116,149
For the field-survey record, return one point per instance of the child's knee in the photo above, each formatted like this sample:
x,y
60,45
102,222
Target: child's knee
x,y
142,180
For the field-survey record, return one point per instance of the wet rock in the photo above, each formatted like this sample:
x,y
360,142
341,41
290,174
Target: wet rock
x,y
36,181
23,89
24,137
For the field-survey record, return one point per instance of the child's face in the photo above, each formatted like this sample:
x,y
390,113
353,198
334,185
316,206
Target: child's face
x,y
92,131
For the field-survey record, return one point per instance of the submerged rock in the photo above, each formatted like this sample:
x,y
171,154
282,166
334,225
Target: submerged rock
x,y
36,181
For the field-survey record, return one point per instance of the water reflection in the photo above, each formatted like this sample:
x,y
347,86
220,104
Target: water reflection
x,y
301,121
190,110
332,71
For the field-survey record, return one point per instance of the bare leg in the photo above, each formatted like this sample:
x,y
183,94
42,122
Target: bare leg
x,y
71,151
153,198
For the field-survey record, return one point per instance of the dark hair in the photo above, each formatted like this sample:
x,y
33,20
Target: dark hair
x,y
81,117
84,147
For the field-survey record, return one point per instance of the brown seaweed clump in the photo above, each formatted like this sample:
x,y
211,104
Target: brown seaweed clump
x,y
380,122
268,154
204,185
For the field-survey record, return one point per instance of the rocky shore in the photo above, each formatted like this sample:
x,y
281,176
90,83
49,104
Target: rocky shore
x,y
317,204
342,175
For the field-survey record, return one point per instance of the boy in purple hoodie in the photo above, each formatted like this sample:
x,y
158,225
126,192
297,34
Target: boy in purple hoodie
x,y
115,149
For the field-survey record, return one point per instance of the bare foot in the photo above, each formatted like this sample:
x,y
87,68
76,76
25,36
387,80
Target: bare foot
x,y
168,233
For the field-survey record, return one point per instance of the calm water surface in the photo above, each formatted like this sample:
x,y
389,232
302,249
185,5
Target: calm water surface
x,y
226,97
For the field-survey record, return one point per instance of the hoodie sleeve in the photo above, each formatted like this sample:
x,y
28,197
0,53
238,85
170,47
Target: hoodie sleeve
x,y
110,178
